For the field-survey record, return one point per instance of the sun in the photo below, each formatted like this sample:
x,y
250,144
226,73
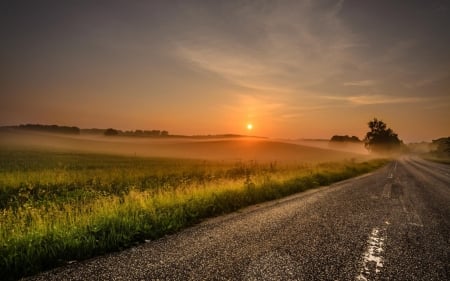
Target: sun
x,y
249,126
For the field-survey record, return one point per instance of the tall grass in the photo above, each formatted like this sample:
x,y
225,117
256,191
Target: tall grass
x,y
58,207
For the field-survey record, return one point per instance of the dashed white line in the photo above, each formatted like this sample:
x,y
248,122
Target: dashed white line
x,y
373,257
386,190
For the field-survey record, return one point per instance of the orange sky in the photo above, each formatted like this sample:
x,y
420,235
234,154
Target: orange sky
x,y
294,69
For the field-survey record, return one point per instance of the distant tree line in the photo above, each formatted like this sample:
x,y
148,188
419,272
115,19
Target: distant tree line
x,y
346,138
77,131
93,131
49,128
136,133
111,132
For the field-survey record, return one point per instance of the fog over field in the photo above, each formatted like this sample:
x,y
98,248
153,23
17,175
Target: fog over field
x,y
326,144
227,149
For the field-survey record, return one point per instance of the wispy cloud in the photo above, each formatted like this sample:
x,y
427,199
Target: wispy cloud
x,y
296,46
428,80
305,57
376,99
241,69
362,83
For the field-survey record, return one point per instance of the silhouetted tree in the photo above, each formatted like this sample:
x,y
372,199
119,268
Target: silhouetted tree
x,y
381,138
156,133
346,138
50,128
111,132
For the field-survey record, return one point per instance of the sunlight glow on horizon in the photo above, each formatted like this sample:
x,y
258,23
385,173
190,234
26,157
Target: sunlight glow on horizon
x,y
181,67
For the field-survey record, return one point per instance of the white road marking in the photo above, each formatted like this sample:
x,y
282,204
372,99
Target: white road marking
x,y
373,257
391,173
388,186
386,191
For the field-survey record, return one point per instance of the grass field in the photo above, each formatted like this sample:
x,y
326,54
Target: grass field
x,y
57,205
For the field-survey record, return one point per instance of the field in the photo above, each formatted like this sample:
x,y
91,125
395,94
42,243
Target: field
x,y
60,201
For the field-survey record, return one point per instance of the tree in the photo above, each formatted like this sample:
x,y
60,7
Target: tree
x,y
51,128
346,138
111,132
381,139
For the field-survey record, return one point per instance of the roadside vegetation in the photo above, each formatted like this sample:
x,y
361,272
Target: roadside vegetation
x,y
57,207
437,151
440,151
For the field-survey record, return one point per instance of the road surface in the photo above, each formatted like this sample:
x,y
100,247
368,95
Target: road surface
x,y
392,224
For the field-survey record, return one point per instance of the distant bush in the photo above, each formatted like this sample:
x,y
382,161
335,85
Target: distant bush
x,y
111,132
145,133
345,138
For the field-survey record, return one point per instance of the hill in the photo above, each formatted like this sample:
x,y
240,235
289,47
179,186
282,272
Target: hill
x,y
219,149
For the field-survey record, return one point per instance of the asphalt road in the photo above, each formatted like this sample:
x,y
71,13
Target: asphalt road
x,y
392,224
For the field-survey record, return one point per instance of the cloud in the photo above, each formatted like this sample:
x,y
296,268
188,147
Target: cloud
x,y
362,83
376,99
239,68
288,47
304,51
428,80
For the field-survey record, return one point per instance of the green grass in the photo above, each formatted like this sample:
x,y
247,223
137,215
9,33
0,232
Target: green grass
x,y
56,207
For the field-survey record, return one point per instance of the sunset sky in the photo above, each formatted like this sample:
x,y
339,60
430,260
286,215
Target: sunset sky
x,y
293,69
